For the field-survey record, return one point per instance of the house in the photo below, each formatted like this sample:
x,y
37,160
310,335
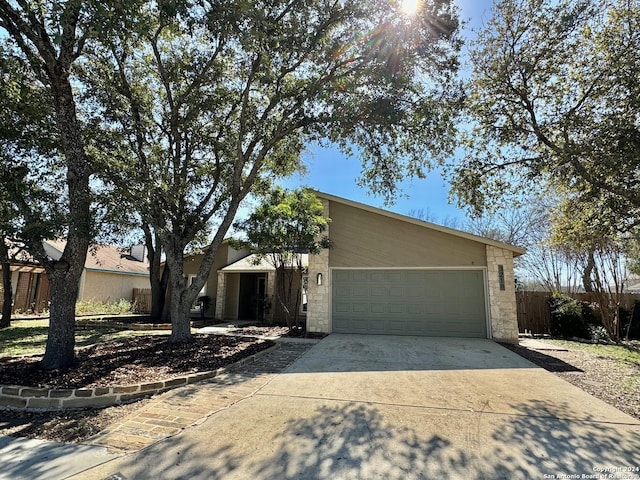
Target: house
x,y
388,274
246,290
240,286
109,275
392,274
225,255
29,283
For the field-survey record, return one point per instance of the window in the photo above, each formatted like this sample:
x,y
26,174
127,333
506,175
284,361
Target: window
x,y
303,292
501,277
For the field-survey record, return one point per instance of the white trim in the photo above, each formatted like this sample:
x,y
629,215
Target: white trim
x,y
485,279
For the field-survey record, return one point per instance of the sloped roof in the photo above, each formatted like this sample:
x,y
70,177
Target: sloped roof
x,y
517,251
103,258
253,263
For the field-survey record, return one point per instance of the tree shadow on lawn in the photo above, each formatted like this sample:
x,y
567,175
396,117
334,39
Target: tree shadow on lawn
x,y
358,441
133,360
548,362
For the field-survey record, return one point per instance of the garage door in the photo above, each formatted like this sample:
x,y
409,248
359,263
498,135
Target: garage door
x,y
447,303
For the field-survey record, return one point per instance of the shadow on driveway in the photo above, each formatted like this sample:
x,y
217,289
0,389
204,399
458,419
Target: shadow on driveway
x,y
359,441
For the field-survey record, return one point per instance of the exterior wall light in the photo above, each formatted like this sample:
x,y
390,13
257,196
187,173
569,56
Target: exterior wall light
x,y
319,279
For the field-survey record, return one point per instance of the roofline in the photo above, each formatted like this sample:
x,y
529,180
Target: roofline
x,y
421,223
118,272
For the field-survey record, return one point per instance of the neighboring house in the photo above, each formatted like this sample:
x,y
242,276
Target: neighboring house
x,y
29,283
386,274
109,275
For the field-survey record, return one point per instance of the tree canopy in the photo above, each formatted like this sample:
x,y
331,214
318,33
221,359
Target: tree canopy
x,y
208,102
280,230
44,41
554,96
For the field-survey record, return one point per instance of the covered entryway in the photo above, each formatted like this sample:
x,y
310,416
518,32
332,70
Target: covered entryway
x,y
433,302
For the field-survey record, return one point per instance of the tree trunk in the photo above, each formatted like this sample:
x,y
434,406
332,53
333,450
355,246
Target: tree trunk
x,y
64,274
7,307
180,312
158,277
179,302
61,340
586,273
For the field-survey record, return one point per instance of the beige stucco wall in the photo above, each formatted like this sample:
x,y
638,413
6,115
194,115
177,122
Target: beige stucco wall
x,y
502,303
109,287
232,293
367,239
192,264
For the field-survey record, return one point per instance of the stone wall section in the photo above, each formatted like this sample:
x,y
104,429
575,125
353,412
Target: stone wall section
x,y
220,295
318,296
502,303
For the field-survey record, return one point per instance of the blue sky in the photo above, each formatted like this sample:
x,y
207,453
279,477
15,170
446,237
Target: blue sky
x,y
331,172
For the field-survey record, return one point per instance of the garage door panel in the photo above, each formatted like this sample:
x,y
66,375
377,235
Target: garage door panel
x,y
409,302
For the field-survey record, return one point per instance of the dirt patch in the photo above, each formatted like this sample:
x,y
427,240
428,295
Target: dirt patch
x,y
63,426
612,381
276,331
133,360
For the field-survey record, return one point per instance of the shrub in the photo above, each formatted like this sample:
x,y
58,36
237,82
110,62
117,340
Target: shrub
x,y
632,316
566,317
96,307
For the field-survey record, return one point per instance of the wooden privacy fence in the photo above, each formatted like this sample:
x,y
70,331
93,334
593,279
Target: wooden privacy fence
x,y
141,299
534,315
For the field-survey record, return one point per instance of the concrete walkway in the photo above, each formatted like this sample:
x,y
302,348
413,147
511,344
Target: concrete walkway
x,y
171,412
377,407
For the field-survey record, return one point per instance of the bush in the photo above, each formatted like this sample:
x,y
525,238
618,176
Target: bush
x,y
567,317
96,307
632,316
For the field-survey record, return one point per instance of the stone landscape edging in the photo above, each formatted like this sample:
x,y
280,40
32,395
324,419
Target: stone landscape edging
x,y
21,398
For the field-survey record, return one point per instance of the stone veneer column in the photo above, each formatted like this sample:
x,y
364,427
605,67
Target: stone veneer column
x,y
502,303
318,295
271,293
220,294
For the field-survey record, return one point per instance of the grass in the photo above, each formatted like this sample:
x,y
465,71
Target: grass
x,y
619,353
29,337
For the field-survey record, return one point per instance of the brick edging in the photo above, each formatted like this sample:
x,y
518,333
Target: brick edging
x,y
16,397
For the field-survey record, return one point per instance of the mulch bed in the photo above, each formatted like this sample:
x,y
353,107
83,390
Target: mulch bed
x,y
614,382
132,360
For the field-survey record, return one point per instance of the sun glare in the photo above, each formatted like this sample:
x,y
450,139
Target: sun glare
x,y
410,7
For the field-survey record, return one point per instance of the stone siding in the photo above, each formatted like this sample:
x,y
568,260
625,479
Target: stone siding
x,y
221,293
318,314
502,303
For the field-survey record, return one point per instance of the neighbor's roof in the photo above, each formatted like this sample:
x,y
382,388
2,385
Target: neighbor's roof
x,y
253,263
517,251
103,258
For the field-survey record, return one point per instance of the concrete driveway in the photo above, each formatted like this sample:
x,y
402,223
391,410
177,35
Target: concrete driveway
x,y
368,407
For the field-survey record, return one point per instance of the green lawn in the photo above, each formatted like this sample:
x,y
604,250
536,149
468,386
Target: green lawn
x,y
618,353
28,337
